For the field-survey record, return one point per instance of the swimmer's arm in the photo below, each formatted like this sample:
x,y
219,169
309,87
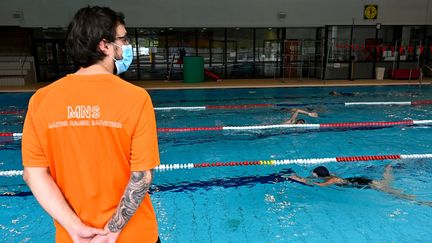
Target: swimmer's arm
x,y
299,179
311,114
293,117
328,182
296,112
52,200
136,189
300,111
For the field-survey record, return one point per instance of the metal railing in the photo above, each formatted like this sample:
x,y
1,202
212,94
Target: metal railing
x,y
422,74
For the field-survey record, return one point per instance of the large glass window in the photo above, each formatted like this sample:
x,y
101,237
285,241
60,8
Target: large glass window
x,y
267,52
240,53
339,40
152,54
411,43
216,58
302,54
427,52
338,52
248,52
181,42
400,43
386,43
51,58
203,44
363,44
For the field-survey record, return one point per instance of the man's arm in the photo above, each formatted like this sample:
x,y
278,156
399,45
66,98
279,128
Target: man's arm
x,y
328,182
52,200
311,114
136,189
293,117
296,112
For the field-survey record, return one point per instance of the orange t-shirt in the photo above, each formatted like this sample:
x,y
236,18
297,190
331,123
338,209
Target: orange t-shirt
x,y
92,131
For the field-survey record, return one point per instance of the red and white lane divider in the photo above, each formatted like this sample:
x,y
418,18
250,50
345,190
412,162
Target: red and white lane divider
x,y
251,106
10,134
188,108
341,125
302,126
416,102
12,112
214,107
312,161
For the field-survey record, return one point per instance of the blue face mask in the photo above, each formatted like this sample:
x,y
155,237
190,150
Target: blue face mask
x,y
122,65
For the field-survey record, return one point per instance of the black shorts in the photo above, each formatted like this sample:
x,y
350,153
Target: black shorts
x,y
359,182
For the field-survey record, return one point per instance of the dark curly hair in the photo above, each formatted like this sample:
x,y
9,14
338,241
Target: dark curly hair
x,y
89,26
321,171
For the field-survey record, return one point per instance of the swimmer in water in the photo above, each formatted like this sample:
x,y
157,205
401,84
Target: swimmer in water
x,y
295,112
322,177
339,94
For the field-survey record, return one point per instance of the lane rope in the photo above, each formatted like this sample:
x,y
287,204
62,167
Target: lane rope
x,y
12,112
413,103
340,125
310,161
251,106
10,134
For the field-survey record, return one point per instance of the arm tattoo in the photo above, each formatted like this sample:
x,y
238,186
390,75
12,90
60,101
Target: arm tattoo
x,y
135,191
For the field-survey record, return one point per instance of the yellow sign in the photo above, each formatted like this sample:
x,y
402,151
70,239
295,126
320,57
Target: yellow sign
x,y
370,12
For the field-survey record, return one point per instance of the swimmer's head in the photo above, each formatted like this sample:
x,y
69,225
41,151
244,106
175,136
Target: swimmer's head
x,y
321,171
300,121
334,93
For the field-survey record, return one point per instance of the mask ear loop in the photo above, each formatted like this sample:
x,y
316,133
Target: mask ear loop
x,y
106,52
112,56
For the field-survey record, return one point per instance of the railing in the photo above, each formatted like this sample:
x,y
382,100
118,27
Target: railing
x,y
421,72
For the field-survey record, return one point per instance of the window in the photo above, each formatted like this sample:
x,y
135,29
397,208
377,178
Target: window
x,y
240,52
363,44
151,52
267,52
339,44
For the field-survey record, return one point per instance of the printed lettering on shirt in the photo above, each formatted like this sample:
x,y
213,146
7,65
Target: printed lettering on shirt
x,y
82,111
84,116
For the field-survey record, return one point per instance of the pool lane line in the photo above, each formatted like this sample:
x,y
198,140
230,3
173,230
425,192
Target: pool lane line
x,y
12,112
251,106
11,134
340,125
310,161
413,103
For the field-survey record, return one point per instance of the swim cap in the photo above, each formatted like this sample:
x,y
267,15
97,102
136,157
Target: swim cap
x,y
300,121
321,171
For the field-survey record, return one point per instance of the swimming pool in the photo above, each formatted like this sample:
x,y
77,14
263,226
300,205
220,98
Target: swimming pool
x,y
255,203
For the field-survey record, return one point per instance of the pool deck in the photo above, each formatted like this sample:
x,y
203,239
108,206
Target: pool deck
x,y
242,83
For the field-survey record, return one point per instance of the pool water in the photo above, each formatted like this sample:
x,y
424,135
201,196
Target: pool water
x,y
256,203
